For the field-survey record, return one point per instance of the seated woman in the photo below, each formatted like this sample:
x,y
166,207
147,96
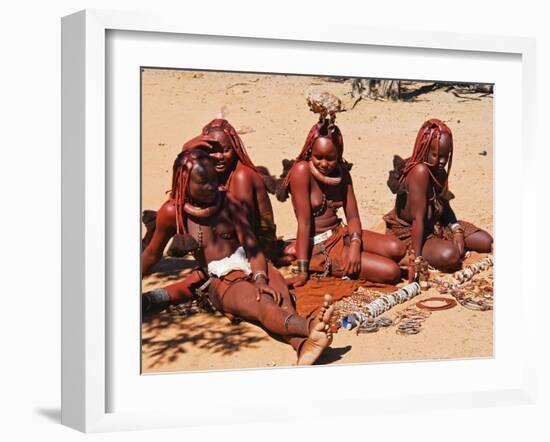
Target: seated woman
x,y
234,275
238,175
320,183
422,216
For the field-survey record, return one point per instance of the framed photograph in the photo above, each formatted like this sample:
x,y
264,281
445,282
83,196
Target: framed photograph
x,y
148,110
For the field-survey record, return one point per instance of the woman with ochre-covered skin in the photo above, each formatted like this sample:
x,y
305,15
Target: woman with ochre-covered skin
x,y
240,282
320,183
423,218
240,177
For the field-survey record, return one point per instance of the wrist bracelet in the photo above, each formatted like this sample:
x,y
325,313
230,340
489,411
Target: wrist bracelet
x,y
355,236
456,227
260,274
303,265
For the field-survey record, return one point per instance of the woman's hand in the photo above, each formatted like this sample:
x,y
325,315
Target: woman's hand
x,y
298,280
353,266
458,241
263,288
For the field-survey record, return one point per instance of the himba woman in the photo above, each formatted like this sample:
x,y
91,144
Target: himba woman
x,y
234,275
236,174
320,183
422,216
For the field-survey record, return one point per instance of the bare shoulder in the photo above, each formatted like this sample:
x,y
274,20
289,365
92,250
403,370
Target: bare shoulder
x,y
244,173
166,215
419,175
300,173
244,182
168,208
419,170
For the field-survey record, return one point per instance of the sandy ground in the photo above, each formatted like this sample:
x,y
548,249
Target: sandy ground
x,y
273,113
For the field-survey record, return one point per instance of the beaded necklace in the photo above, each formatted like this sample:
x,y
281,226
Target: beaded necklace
x,y
320,210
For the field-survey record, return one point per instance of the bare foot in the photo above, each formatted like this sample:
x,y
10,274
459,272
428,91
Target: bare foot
x,y
324,314
320,337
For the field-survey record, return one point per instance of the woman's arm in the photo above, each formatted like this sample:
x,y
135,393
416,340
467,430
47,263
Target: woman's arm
x,y
449,218
353,265
240,217
164,230
242,188
418,182
350,207
300,189
248,240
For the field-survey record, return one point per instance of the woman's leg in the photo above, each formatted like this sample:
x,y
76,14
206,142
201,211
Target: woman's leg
x,y
384,245
159,299
240,300
479,241
374,268
441,254
184,291
277,282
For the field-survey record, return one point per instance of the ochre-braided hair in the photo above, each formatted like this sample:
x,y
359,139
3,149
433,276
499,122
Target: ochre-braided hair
x,y
181,172
429,131
323,128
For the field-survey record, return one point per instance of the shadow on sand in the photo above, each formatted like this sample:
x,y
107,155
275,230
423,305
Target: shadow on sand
x,y
170,269
202,331
331,355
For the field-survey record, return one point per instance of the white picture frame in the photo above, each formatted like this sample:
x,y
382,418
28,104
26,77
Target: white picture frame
x,y
87,213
